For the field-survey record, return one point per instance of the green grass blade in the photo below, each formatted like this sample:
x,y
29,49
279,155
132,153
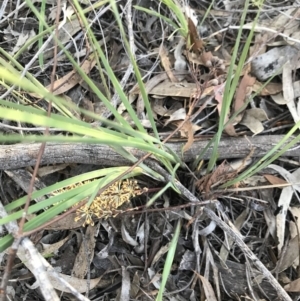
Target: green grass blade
x,y
41,29
167,20
230,87
136,72
267,159
169,261
111,76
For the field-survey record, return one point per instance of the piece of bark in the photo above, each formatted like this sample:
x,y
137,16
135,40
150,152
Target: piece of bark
x,y
23,155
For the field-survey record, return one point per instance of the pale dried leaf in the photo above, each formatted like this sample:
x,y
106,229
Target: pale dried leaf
x,y
145,123
126,285
293,286
66,32
208,289
85,254
218,91
47,170
140,237
188,130
279,99
284,200
260,44
294,231
287,21
292,178
296,86
190,13
180,62
52,248
158,107
208,229
68,12
155,277
293,227
252,120
257,113
239,164
152,83
288,91
188,261
163,250
185,90
71,79
163,53
69,100
177,115
86,104
122,108
254,181
227,244
274,180
244,90
135,285
22,39
269,89
126,236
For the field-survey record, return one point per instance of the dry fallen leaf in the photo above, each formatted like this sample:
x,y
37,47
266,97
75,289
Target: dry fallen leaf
x,y
208,289
22,39
71,79
279,99
244,90
158,107
188,131
177,115
288,90
253,120
87,246
135,285
293,286
218,175
218,90
229,241
124,294
268,89
275,180
197,44
284,200
52,248
292,253
294,230
86,104
166,63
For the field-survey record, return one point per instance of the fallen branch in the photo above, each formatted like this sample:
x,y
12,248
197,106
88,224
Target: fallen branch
x,y
23,155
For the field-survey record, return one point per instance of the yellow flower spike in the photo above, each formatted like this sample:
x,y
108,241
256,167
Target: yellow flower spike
x,y
105,205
